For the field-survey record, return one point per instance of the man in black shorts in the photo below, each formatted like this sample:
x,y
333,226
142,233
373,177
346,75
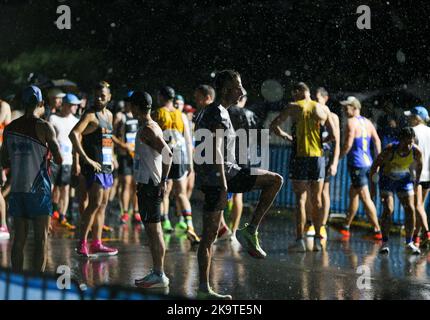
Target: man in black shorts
x,y
220,174
152,162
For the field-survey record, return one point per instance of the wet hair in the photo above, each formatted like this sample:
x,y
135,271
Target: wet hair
x,y
223,77
101,85
300,87
206,90
167,93
322,91
406,133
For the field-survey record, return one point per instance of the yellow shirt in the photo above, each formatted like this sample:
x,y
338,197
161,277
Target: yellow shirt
x,y
308,132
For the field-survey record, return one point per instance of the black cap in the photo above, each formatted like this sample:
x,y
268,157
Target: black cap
x,y
141,99
167,92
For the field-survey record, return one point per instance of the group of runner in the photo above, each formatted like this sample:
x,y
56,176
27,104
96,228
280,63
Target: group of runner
x,y
153,150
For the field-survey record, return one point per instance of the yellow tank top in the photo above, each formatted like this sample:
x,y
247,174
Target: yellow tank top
x,y
163,117
172,125
398,167
307,131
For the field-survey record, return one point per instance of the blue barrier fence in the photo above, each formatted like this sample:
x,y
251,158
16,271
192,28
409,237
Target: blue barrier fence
x,y
339,187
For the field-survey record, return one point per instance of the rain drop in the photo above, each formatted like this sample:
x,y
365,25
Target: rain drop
x,y
288,73
401,56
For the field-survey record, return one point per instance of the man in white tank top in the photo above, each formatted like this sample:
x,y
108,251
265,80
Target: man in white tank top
x,y
152,162
418,116
63,123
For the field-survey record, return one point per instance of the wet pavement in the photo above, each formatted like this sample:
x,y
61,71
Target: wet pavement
x,y
336,273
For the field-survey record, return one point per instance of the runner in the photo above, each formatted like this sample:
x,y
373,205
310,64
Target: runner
x,y
125,128
396,164
216,178
189,111
359,132
95,150
331,156
63,123
204,95
5,119
27,142
307,161
55,99
176,132
152,163
418,117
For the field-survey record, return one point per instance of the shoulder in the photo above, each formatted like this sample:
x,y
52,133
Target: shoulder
x,y
4,106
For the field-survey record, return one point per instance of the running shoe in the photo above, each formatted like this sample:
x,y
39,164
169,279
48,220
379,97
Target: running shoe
x,y
309,230
137,218
224,234
299,246
107,228
192,236
412,249
66,224
323,232
250,242
212,295
152,280
317,245
103,251
384,248
56,215
417,241
377,235
124,218
82,249
167,226
345,232
181,226
4,233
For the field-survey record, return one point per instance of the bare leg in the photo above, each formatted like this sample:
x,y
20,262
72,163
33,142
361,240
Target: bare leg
x,y
190,184
300,190
388,205
95,197
211,221
40,226
269,183
421,216
317,208
353,205
369,207
237,210
20,227
99,219
2,211
156,242
326,202
408,203
63,204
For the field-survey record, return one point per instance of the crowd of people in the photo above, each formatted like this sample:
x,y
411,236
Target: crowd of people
x,y
142,153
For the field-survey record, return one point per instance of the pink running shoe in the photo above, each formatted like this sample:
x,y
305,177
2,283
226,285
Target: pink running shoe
x,y
82,249
102,251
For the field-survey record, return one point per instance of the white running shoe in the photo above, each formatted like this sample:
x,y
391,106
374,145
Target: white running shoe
x,y
152,280
299,246
412,249
384,248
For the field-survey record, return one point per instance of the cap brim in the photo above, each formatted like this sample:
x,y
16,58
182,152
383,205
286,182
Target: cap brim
x,y
407,113
60,95
345,103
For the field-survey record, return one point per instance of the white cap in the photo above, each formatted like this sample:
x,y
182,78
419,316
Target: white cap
x,y
56,93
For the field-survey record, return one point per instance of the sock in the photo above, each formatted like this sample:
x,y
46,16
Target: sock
x,y
384,238
408,240
181,219
164,217
427,234
346,227
188,217
62,217
252,228
55,207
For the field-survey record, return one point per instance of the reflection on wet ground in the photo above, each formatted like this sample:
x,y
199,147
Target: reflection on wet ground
x,y
336,273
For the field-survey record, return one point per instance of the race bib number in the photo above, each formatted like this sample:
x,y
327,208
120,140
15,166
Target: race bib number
x,y
107,147
131,140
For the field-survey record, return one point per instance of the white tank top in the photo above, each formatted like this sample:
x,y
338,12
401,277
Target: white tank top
x,y
63,126
422,134
148,162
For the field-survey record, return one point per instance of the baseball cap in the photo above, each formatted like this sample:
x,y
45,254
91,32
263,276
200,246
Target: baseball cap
x,y
70,98
56,93
31,95
351,101
129,94
179,97
141,98
188,109
419,111
167,92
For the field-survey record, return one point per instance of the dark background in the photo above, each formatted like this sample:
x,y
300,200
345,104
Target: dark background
x,y
180,43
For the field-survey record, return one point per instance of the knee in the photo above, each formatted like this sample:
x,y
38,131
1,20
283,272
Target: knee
x,y
278,181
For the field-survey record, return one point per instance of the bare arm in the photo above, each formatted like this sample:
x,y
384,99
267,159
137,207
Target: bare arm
x,y
117,123
418,163
188,141
380,159
349,139
75,137
278,121
336,152
5,113
4,153
51,140
375,139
